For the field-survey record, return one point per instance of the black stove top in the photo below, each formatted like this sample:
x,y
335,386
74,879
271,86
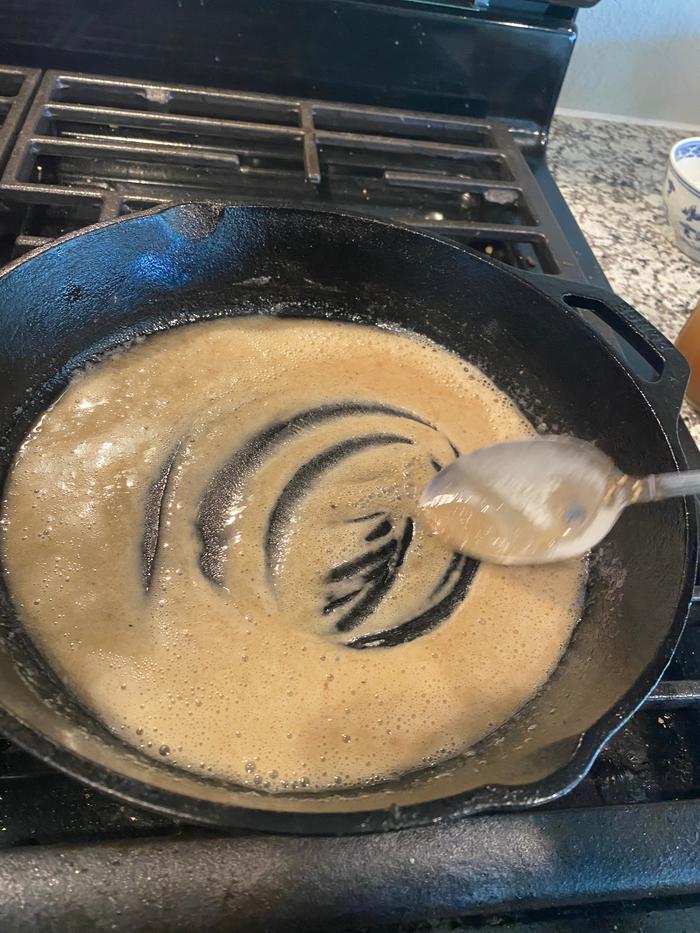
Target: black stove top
x,y
94,148
75,149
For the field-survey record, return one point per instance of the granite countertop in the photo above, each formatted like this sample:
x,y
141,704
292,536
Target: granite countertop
x,y
611,175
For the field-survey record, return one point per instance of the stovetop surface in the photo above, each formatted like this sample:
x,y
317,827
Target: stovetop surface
x,y
75,149
94,148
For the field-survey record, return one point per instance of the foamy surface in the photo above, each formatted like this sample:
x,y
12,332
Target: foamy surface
x,y
214,538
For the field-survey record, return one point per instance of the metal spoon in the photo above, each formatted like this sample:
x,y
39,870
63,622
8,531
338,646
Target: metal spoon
x,y
538,501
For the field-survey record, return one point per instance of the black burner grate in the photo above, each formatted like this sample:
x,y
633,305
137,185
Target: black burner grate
x,y
16,88
96,148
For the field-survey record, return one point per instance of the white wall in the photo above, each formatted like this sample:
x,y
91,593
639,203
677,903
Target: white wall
x,y
637,58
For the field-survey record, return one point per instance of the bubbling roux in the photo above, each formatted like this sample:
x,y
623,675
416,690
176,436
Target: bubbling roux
x,y
213,536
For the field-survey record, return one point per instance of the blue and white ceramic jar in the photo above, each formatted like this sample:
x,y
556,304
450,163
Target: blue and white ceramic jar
x,y
682,195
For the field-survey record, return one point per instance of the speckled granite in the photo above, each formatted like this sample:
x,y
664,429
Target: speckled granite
x,y
610,175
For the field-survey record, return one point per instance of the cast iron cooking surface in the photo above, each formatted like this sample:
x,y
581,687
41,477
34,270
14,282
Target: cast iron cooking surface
x,y
355,265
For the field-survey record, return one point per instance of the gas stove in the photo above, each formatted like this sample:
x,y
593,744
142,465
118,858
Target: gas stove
x,y
431,115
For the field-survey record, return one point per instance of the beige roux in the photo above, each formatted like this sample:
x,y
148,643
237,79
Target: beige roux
x,y
248,679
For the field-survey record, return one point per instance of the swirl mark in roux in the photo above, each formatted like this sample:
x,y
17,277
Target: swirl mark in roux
x,y
226,487
372,574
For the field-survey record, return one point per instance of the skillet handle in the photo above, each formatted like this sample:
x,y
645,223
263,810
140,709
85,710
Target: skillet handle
x,y
656,366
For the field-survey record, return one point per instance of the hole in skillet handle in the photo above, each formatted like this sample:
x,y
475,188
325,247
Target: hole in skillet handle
x,y
659,370
641,356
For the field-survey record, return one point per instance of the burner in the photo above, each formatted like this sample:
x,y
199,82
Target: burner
x,y
96,148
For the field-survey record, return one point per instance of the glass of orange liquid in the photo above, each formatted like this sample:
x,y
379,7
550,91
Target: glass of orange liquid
x,y
688,342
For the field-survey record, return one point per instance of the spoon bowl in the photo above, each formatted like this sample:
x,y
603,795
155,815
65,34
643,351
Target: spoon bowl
x,y
528,502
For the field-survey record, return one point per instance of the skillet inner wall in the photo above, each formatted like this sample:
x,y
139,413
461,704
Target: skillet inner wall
x,y
91,292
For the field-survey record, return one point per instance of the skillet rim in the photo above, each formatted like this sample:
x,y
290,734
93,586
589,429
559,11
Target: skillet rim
x,y
478,800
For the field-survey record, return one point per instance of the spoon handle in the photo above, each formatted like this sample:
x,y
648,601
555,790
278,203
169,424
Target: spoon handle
x,y
660,486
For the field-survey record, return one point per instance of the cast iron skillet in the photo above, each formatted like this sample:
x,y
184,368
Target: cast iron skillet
x,y
68,303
